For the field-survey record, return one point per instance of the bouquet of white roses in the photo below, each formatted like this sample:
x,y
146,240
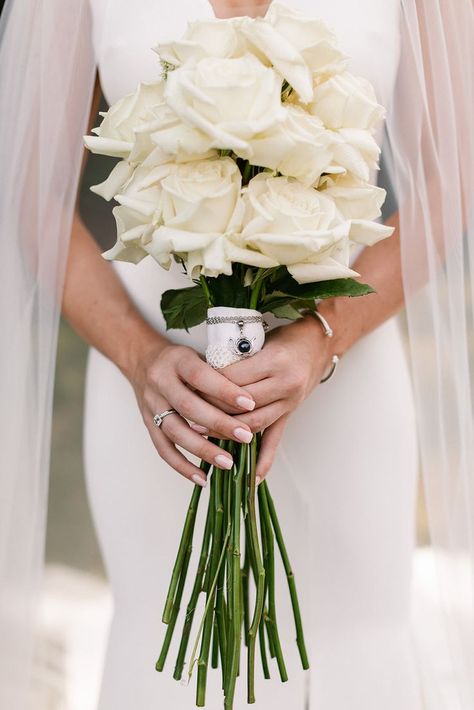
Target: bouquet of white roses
x,y
247,162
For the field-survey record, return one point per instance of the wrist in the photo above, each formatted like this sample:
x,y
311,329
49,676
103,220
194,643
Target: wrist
x,y
337,313
320,341
143,347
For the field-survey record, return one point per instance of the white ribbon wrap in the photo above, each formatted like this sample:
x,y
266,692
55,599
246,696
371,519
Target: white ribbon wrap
x,y
223,338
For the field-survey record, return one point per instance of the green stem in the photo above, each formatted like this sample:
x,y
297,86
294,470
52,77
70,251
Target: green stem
x,y
228,583
215,645
207,608
205,288
267,535
257,287
196,590
175,611
260,575
216,493
290,578
245,593
186,536
220,607
263,652
271,646
261,628
235,597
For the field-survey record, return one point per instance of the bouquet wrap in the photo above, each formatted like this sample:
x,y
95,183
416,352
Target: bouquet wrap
x,y
233,334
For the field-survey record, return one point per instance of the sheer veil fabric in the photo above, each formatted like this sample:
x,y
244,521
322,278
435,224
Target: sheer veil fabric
x,y
46,78
430,154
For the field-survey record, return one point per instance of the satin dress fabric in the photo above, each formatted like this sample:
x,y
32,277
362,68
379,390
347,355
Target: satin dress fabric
x,y
345,475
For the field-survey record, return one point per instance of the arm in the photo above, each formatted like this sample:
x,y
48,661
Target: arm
x,y
163,375
272,370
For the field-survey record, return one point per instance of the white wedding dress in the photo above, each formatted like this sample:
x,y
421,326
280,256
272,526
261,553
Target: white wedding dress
x,y
344,479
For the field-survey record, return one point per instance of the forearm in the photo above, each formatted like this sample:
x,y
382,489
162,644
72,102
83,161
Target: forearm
x,y
379,266
100,310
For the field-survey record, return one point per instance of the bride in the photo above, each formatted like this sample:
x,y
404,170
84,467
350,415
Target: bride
x,y
343,456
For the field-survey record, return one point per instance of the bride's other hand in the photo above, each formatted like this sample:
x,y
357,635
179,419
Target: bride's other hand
x,y
279,378
175,377
294,360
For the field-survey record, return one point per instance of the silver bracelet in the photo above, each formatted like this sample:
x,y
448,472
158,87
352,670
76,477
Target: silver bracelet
x,y
328,332
334,361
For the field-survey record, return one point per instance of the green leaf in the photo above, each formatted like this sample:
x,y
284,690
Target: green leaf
x,y
288,312
184,307
278,305
229,290
284,284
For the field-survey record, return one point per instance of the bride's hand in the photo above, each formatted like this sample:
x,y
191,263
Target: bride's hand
x,y
279,378
175,377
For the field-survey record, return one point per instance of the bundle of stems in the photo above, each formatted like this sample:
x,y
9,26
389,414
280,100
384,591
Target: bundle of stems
x,y
224,574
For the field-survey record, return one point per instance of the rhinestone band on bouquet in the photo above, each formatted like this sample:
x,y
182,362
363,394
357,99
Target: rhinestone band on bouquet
x,y
247,165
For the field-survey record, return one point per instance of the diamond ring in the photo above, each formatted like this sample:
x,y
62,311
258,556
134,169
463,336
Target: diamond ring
x,y
158,418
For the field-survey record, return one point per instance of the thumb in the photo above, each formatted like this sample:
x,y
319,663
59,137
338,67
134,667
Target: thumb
x,y
270,440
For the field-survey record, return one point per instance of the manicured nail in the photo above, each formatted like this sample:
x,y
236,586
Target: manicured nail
x,y
197,479
224,461
245,403
257,480
243,435
200,429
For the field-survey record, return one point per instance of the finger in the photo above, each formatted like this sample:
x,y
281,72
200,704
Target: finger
x,y
178,431
204,378
249,370
263,392
175,458
191,406
265,416
220,404
270,440
271,389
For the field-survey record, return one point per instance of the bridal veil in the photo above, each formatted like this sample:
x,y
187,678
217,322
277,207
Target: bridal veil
x,y
47,73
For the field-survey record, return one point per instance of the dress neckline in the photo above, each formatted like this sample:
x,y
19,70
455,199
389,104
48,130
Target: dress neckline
x,y
209,10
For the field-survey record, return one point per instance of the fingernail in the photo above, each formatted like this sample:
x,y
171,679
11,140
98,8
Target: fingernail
x,y
200,429
257,480
245,403
243,435
224,461
197,479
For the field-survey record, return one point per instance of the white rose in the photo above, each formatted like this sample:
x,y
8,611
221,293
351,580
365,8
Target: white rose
x,y
346,101
297,147
171,136
143,192
116,134
133,233
138,215
356,151
229,100
312,38
117,178
201,204
295,226
354,199
275,50
360,203
215,38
